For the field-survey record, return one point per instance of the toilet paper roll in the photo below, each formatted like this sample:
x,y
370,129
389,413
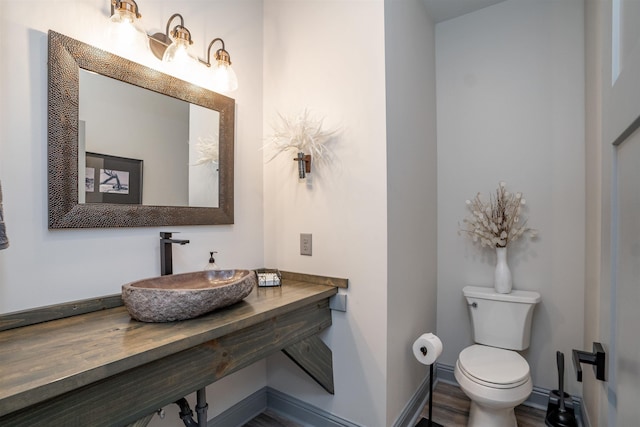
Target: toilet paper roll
x,y
427,348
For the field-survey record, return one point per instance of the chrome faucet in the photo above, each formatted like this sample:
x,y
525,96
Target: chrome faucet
x,y
166,257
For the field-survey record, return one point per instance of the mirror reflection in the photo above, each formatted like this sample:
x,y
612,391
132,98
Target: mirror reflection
x,y
136,146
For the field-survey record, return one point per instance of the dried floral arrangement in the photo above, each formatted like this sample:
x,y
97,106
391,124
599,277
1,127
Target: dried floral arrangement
x,y
301,133
208,148
496,222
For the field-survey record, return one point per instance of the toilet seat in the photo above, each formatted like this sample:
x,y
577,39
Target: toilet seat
x,y
493,367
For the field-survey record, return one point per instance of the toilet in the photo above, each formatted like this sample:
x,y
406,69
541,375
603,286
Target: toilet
x,y
491,372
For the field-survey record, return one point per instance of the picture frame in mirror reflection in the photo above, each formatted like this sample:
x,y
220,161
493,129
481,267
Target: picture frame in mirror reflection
x,y
112,179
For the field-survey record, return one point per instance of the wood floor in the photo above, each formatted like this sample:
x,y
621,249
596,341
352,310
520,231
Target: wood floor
x,y
270,419
450,409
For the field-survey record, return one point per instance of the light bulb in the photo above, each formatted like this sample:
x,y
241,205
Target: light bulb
x,y
176,52
123,16
177,55
224,78
178,61
124,32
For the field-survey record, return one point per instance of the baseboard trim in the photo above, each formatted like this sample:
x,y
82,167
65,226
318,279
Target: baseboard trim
x,y
243,411
411,412
584,417
312,416
269,398
445,374
302,412
309,415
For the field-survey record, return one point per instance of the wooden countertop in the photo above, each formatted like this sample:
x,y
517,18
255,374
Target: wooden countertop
x,y
44,360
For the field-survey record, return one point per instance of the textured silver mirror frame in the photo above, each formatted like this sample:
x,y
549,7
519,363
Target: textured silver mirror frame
x,y
66,57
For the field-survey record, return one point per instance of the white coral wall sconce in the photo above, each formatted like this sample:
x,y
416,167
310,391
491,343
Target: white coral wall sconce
x,y
300,134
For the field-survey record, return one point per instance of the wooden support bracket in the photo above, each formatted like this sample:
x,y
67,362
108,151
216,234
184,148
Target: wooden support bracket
x,y
315,358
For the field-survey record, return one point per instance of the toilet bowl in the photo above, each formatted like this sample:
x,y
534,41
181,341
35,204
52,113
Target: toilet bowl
x,y
491,372
496,381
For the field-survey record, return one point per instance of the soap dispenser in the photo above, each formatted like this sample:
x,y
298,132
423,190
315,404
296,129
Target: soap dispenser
x,y
211,265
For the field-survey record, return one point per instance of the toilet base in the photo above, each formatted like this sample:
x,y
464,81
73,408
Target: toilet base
x,y
480,416
492,406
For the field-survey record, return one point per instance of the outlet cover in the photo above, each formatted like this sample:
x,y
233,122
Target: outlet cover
x,y
305,244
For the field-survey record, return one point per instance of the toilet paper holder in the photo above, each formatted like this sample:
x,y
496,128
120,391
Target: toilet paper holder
x,y
597,359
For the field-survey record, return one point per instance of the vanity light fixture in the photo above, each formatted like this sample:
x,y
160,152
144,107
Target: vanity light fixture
x,y
172,46
224,78
124,28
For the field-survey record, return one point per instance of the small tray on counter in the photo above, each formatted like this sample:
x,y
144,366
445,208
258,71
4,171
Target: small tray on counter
x,y
268,277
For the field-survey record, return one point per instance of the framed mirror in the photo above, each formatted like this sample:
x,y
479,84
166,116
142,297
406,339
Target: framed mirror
x,y
108,168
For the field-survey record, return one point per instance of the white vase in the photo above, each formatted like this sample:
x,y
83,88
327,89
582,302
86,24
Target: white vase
x,y
502,276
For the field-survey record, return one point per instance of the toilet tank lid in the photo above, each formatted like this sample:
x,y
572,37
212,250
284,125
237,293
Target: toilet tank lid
x,y
526,297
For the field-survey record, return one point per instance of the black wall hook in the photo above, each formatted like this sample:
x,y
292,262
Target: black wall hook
x,y
597,359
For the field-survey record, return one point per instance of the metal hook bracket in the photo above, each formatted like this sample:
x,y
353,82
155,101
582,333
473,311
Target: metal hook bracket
x,y
304,164
597,359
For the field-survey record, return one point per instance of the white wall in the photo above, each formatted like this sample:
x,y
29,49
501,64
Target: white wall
x,y
44,267
411,194
510,88
329,57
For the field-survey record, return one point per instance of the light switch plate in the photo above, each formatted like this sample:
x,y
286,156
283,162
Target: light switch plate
x,y
305,244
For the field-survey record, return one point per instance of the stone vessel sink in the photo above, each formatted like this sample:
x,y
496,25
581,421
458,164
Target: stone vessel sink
x,y
185,296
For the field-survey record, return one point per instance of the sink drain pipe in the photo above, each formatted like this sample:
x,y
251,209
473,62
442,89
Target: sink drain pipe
x,y
186,414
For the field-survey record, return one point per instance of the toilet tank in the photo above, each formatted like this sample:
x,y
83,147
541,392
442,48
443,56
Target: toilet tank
x,y
501,320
